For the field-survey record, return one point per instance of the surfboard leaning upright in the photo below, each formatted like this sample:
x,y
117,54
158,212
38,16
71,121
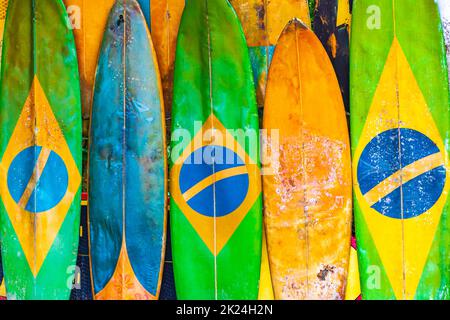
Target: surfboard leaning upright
x,y
127,163
216,212
307,181
400,133
40,150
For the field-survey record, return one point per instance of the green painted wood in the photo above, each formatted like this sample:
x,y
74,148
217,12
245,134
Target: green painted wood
x,y
40,113
213,80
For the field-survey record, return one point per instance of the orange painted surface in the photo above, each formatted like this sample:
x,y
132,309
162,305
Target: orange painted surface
x,y
308,197
124,284
88,20
165,19
264,20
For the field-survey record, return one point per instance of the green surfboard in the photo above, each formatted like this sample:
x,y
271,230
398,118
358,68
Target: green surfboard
x,y
40,151
400,134
215,184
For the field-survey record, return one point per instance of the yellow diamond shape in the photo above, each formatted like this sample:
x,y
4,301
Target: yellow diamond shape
x,y
403,245
215,232
37,126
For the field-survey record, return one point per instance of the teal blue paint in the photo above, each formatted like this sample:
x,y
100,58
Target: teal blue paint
x,y
145,7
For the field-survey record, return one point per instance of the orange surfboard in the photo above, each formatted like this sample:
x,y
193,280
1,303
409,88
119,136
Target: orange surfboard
x,y
307,173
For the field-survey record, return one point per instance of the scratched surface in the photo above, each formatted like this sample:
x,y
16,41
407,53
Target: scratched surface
x,y
332,26
307,200
40,149
444,7
400,140
262,22
127,162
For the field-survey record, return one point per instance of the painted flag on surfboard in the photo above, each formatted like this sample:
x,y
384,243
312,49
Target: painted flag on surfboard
x,y
400,133
40,151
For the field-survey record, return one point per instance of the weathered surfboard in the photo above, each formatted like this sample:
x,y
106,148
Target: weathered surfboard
x,y
444,7
3,8
40,151
331,24
307,182
165,21
400,133
127,162
216,210
263,21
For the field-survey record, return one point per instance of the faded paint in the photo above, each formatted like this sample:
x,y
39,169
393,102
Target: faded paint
x,y
127,162
308,198
40,112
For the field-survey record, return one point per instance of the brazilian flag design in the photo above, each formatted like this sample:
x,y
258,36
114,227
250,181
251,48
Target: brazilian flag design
x,y
400,135
40,151
215,183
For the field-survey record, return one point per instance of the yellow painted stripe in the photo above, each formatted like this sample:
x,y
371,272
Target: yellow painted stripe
x,y
37,172
403,176
224,174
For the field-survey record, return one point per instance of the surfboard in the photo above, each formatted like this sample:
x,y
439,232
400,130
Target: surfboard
x,y
40,151
444,8
127,162
400,135
215,185
332,25
263,21
307,178
3,9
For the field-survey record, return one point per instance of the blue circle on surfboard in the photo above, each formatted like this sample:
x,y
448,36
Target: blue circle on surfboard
x,y
225,195
386,155
47,191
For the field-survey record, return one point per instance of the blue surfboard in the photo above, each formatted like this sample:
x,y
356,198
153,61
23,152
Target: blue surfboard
x,y
127,162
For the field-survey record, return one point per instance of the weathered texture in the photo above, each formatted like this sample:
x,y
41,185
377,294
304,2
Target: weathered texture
x,y
40,150
216,214
400,134
127,162
263,21
88,20
307,199
165,21
444,7
332,25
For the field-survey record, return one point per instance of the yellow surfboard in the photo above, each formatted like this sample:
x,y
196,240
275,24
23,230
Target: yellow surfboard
x,y
307,181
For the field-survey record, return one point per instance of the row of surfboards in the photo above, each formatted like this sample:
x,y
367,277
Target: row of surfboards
x,y
399,117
